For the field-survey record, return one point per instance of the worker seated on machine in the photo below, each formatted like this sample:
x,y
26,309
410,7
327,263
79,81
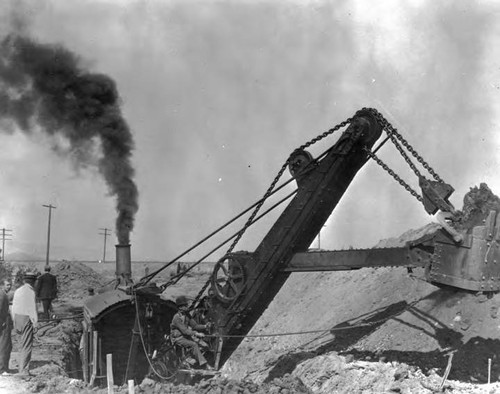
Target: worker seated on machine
x,y
184,331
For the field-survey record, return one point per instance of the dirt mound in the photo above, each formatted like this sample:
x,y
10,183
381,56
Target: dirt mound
x,y
369,330
286,385
74,278
376,316
477,204
408,236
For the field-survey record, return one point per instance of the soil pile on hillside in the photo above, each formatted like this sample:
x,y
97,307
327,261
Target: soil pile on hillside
x,y
368,330
381,316
74,279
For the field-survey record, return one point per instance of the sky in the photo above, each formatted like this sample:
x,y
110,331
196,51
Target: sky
x,y
217,94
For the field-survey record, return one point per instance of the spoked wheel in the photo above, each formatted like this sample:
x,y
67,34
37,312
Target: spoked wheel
x,y
228,278
166,367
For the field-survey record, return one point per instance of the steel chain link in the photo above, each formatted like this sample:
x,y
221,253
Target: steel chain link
x,y
393,135
395,176
393,132
268,193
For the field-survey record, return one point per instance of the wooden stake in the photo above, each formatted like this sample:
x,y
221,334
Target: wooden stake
x,y
109,372
85,356
94,357
489,370
131,387
218,354
448,368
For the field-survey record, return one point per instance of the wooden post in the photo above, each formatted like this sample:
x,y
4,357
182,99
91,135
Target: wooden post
x,y
100,361
489,370
94,357
134,345
131,387
448,368
219,351
109,372
85,356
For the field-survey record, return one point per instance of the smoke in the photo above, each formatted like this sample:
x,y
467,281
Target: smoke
x,y
44,88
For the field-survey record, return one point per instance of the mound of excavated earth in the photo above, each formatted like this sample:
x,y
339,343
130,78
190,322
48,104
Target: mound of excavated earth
x,y
363,331
74,278
374,329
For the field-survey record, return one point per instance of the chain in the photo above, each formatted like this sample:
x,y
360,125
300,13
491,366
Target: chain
x,y
395,136
268,193
394,175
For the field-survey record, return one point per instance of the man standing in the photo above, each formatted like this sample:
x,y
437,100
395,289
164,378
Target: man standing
x,y
5,328
25,319
46,291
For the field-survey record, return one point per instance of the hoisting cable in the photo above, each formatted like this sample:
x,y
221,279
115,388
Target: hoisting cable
x,y
137,316
179,276
147,278
322,331
408,307
144,280
269,192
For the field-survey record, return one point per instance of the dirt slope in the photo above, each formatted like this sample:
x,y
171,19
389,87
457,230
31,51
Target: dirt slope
x,y
374,331
376,315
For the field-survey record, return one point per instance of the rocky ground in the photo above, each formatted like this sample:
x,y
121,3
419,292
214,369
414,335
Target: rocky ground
x,y
364,331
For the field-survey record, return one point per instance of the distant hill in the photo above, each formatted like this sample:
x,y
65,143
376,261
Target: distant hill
x,y
22,256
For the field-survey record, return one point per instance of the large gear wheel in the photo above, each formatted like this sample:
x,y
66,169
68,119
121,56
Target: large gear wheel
x,y
228,278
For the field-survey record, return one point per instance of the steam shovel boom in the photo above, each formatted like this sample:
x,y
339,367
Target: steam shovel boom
x,y
253,279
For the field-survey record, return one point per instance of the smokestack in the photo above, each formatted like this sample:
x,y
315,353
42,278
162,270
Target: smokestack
x,y
123,265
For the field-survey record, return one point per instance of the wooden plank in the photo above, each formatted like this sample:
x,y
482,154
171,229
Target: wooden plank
x,y
95,336
85,356
131,387
109,372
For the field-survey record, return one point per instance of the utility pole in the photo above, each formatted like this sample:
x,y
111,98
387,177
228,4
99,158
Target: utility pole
x,y
5,237
50,206
106,232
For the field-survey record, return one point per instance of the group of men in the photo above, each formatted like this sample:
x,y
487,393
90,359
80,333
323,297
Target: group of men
x,y
23,316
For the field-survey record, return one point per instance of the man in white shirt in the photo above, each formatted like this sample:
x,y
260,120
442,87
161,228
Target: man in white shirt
x,y
25,316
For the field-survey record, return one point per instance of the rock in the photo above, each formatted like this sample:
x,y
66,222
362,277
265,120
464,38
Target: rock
x,y
147,382
401,373
349,358
481,297
395,389
465,324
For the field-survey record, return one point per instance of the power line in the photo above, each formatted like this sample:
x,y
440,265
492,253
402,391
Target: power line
x,y
106,232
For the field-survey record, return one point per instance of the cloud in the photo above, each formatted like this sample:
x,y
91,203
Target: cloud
x,y
261,79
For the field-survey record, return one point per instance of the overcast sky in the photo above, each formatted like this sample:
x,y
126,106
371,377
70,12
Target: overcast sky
x,y
218,93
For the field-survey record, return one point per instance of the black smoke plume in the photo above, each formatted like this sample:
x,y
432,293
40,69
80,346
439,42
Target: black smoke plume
x,y
43,87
